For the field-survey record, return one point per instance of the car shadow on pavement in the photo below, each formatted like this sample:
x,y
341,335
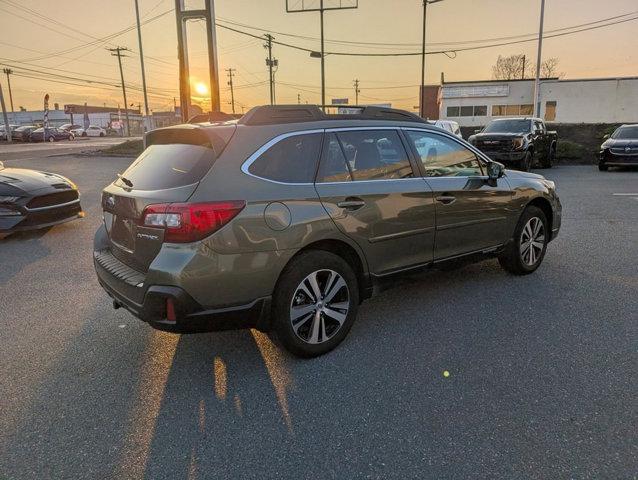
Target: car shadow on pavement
x,y
15,246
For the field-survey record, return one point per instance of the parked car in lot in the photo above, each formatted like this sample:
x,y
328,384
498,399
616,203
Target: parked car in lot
x,y
21,134
52,135
288,218
31,199
521,142
69,127
92,131
620,149
449,125
3,133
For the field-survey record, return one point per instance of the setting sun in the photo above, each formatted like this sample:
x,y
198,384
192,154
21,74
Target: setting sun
x,y
201,88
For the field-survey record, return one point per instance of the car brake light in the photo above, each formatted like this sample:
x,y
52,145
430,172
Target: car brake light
x,y
189,222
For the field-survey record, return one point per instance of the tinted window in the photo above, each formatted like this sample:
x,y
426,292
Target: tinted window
x,y
291,160
480,110
169,166
375,154
444,157
452,111
626,133
508,126
333,167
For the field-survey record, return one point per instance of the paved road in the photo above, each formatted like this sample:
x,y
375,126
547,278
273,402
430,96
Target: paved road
x,y
543,369
19,150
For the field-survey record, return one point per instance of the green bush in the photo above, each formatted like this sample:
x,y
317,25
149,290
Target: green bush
x,y
568,150
130,147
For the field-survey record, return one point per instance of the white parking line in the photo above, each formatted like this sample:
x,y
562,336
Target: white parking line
x,y
626,194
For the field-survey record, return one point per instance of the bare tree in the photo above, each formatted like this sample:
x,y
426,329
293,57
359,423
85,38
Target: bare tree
x,y
512,67
549,68
519,66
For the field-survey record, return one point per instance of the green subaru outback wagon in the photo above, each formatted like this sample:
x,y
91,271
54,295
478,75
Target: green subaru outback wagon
x,y
287,219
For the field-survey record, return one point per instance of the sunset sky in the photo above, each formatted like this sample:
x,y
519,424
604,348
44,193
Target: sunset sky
x,y
59,41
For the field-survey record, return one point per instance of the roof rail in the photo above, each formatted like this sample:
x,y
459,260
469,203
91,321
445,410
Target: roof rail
x,y
275,114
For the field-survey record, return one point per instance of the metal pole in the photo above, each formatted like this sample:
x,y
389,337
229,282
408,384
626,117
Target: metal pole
x,y
139,39
422,100
270,65
323,67
230,82
118,54
215,103
356,91
523,68
537,83
8,71
182,54
5,116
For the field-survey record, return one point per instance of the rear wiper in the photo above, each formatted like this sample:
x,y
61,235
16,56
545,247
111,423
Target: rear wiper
x,y
125,180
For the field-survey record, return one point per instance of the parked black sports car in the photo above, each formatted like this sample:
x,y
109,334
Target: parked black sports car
x,y
30,199
53,135
620,149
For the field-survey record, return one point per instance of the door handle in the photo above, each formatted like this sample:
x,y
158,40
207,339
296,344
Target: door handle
x,y
445,199
351,203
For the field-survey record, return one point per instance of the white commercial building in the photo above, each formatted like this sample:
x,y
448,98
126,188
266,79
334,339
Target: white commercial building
x,y
596,100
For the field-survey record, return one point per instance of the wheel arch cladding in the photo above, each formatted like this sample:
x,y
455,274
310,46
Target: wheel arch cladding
x,y
546,207
347,253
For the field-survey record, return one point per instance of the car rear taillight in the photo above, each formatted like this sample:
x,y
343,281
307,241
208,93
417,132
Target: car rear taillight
x,y
189,222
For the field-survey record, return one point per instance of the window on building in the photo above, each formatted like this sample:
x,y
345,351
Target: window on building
x,y
550,111
527,110
467,111
452,111
480,110
512,110
498,110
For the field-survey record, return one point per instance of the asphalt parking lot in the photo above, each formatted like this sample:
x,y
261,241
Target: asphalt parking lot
x,y
26,150
543,369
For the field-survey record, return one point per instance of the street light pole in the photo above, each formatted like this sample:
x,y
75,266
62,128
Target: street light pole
x,y
323,58
537,82
139,39
421,97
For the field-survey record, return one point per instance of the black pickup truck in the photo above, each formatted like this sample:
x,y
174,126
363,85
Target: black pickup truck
x,y
520,142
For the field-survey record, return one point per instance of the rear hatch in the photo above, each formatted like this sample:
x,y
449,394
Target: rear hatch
x,y
169,170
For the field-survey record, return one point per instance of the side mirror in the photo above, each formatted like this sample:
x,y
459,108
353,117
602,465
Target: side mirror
x,y
478,130
495,170
606,137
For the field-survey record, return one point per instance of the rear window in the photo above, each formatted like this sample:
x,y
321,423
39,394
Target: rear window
x,y
291,160
168,166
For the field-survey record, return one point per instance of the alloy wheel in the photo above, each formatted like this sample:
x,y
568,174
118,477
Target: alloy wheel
x,y
319,306
532,241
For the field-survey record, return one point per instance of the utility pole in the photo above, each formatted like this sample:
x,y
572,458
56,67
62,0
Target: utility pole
x,y
421,98
139,39
523,68
298,98
356,91
8,71
4,115
230,82
537,83
271,63
117,52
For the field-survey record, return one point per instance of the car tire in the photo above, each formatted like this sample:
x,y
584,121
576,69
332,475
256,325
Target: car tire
x,y
84,134
526,163
602,167
325,312
101,134
523,254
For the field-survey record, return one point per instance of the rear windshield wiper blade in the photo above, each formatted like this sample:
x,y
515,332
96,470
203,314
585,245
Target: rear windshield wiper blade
x,y
125,180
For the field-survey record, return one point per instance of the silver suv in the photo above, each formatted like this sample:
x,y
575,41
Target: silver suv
x,y
288,218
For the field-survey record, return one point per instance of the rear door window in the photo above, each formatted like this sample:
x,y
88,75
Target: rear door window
x,y
333,167
168,166
375,154
291,160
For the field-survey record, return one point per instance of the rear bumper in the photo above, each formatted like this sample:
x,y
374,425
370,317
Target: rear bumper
x,y
149,303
